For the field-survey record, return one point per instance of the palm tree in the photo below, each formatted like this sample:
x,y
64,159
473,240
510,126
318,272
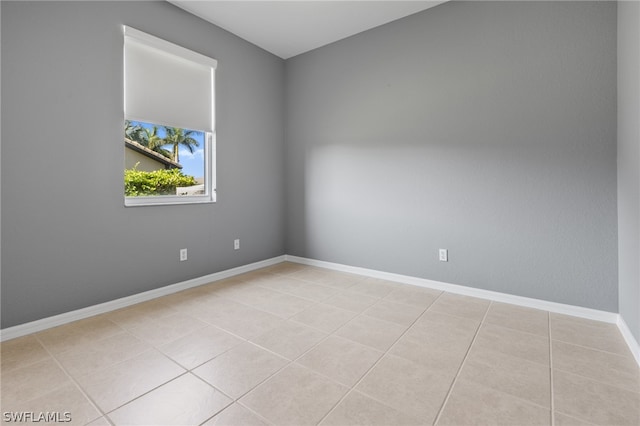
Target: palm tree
x,y
146,137
177,136
155,142
135,133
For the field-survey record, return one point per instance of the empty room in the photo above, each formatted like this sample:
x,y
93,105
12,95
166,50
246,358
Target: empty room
x,y
320,212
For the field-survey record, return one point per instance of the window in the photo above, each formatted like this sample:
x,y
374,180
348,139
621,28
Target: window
x,y
169,132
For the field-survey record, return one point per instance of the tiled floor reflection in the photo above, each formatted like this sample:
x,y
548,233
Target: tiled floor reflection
x,y
298,345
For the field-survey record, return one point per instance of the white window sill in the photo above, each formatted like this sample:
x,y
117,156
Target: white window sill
x,y
167,200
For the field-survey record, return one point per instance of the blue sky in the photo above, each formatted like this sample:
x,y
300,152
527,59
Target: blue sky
x,y
192,163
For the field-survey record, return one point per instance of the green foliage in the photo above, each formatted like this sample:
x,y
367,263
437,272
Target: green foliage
x,y
158,182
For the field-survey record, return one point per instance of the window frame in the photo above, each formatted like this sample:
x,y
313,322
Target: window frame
x,y
209,135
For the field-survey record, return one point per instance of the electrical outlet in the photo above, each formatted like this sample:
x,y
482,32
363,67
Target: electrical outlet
x,y
183,255
443,255
236,244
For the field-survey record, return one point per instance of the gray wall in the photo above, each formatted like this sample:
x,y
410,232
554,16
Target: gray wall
x,y
629,163
67,239
485,128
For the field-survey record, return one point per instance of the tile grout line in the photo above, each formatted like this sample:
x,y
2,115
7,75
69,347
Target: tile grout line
x,y
150,348
595,349
231,397
190,370
591,379
154,347
82,389
255,413
289,362
233,401
293,361
248,340
443,291
589,348
455,379
74,381
384,354
506,327
149,391
359,314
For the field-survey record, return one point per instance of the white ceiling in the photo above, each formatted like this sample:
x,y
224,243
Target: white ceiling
x,y
288,28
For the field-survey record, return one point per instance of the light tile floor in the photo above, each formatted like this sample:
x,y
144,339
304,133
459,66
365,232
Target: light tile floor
x,y
298,345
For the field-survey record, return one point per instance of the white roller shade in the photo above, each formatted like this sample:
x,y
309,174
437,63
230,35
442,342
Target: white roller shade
x,y
167,84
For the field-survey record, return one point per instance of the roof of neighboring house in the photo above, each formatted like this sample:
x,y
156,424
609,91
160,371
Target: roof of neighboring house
x,y
151,154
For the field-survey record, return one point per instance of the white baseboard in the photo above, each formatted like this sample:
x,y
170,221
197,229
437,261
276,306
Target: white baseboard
x,y
559,308
577,311
67,317
628,337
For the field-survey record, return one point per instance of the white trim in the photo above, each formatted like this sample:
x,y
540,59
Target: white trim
x,y
560,308
67,317
168,200
576,311
634,347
